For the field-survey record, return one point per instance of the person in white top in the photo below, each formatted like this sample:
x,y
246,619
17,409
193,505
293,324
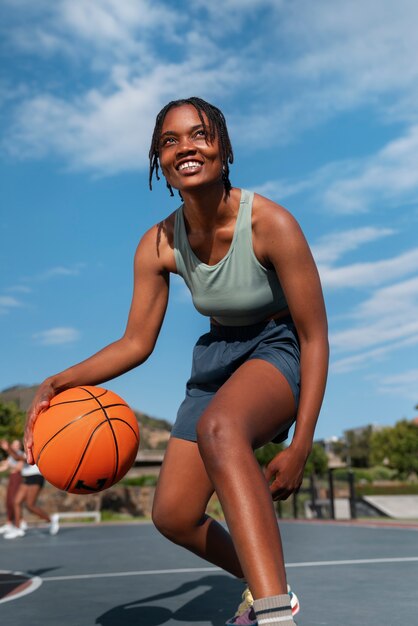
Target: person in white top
x,y
13,467
28,492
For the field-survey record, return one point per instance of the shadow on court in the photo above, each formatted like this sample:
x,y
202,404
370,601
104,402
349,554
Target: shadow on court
x,y
204,607
129,575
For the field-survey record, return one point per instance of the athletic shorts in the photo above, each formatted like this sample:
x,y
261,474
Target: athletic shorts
x,y
221,351
35,479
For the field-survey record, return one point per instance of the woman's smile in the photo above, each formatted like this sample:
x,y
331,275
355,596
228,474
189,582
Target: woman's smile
x,y
187,156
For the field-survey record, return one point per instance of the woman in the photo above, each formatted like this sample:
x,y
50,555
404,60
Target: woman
x,y
27,494
14,467
261,367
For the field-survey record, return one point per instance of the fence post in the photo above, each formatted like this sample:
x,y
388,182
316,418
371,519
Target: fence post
x,y
351,482
312,483
331,493
295,505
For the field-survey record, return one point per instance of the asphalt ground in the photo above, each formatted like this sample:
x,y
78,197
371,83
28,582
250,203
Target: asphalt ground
x,y
128,575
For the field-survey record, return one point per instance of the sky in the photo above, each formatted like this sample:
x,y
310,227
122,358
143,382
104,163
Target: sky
x,y
321,100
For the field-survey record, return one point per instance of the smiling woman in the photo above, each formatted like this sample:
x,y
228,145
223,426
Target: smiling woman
x,y
210,128
261,367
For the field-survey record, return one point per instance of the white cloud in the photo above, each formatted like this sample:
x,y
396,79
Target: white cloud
x,y
19,289
404,384
7,303
57,336
371,273
112,29
60,270
332,246
389,177
108,133
386,321
367,357
326,63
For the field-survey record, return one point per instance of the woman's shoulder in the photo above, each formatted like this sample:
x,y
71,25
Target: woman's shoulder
x,y
157,243
267,214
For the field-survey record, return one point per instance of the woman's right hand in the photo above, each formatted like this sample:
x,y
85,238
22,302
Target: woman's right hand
x,y
40,403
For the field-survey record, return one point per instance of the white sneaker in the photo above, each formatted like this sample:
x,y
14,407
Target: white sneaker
x,y
14,533
5,528
23,525
54,525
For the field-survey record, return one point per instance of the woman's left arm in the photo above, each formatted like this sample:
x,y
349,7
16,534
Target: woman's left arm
x,y
287,250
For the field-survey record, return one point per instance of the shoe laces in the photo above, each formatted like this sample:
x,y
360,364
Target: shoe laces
x,y
247,602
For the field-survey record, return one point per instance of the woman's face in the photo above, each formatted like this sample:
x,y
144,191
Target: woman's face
x,y
16,445
187,157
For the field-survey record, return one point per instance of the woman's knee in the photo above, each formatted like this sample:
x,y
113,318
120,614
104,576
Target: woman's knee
x,y
216,437
174,521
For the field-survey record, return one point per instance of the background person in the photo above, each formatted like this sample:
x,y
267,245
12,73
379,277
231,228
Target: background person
x,y
27,494
13,466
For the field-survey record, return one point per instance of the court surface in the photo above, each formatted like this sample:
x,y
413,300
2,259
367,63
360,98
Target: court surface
x,y
128,575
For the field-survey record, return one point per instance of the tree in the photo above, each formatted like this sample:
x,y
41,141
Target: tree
x,y
12,421
317,462
267,453
358,447
397,447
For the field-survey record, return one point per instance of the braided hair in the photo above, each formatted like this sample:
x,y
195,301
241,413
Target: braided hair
x,y
217,127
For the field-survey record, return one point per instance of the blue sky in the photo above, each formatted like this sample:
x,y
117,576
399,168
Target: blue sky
x,y
321,101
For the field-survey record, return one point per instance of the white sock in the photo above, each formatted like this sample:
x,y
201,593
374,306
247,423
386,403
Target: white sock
x,y
274,611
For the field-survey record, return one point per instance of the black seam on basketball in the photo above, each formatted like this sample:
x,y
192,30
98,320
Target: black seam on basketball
x,y
120,419
79,399
68,485
105,421
99,408
115,472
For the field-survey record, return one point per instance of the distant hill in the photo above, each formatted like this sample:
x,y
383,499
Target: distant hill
x,y
154,432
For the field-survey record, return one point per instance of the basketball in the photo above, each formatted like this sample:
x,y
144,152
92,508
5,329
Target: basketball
x,y
86,440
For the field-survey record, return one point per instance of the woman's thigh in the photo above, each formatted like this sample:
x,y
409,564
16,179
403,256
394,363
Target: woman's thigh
x,y
21,494
184,487
254,405
32,494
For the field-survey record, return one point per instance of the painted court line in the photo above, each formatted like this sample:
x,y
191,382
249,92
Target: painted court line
x,y
197,570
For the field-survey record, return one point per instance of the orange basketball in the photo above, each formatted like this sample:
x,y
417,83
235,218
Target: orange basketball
x,y
86,440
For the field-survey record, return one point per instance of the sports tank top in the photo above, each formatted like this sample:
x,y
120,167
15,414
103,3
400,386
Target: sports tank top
x,y
238,290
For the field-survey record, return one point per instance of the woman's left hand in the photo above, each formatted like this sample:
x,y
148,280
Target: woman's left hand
x,y
285,472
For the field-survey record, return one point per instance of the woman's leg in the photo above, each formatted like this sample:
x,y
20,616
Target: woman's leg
x,y
15,480
20,497
32,495
247,412
180,502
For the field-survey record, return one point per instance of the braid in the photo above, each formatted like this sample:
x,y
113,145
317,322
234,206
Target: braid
x,y
217,127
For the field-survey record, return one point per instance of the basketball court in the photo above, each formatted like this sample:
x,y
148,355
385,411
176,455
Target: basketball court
x,y
128,575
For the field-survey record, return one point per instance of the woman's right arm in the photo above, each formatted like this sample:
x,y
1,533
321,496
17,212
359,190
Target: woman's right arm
x,y
149,303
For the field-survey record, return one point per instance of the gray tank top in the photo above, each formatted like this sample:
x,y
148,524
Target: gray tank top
x,y
238,290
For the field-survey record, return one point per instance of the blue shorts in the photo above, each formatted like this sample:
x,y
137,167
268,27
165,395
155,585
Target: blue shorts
x,y
220,352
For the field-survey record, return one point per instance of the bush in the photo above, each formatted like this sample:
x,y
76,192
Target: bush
x,y
405,489
147,480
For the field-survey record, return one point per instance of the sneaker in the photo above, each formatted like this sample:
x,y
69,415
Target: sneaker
x,y
23,525
54,525
294,601
5,528
14,533
247,618
245,611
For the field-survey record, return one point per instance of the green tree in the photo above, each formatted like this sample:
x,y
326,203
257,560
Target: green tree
x,y
317,462
265,454
397,447
358,447
12,421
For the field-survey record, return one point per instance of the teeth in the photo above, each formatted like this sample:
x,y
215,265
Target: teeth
x,y
189,164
